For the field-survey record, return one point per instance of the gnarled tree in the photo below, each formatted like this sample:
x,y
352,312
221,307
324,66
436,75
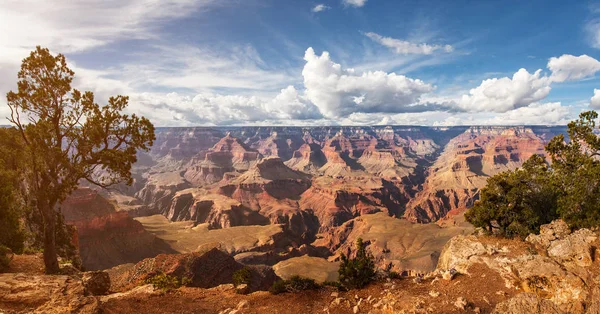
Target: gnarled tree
x,y
68,137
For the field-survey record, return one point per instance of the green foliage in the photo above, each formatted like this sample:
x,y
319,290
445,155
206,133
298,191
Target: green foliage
x,y
577,170
334,284
12,205
166,282
242,276
5,258
394,275
355,273
294,284
68,137
516,203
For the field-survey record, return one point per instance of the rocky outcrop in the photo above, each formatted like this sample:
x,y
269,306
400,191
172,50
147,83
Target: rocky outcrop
x,y
26,293
203,269
96,282
557,278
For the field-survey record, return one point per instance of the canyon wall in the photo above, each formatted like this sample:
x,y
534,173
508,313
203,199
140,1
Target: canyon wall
x,y
317,181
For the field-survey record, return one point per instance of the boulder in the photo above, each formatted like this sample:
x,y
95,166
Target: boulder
x,y
574,248
96,282
557,229
457,253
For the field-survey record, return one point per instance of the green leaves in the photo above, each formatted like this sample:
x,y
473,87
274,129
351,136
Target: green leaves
x,y
68,137
355,273
516,203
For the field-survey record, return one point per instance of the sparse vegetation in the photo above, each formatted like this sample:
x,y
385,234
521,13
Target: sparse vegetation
x,y
242,276
333,284
516,203
166,282
394,275
294,284
5,258
355,273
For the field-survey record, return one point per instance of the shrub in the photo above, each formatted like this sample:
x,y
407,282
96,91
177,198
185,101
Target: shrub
x,y
394,275
242,276
5,258
166,282
516,203
294,284
334,284
357,272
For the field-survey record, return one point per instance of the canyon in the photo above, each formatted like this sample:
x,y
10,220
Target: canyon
x,y
298,197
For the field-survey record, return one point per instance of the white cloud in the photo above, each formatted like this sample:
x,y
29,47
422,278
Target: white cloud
x,y
572,68
200,69
535,114
406,47
595,100
69,26
288,104
214,109
74,27
592,29
354,3
524,88
320,7
505,94
340,92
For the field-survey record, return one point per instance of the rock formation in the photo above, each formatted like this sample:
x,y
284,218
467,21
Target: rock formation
x,y
554,274
106,237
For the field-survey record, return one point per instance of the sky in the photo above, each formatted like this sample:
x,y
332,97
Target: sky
x,y
304,62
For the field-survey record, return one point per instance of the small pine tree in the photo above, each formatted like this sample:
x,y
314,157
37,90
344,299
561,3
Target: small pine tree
x,y
355,273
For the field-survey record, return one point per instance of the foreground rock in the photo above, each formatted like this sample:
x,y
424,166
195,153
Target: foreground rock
x,y
557,274
96,282
25,293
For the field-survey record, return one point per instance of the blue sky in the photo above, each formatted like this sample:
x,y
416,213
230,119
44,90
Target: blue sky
x,y
299,62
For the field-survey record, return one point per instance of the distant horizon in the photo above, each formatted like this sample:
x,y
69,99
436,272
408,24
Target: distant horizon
x,y
347,126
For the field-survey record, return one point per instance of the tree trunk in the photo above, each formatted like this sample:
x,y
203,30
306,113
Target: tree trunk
x,y
50,256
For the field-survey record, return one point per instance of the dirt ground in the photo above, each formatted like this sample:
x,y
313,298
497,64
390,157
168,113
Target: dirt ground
x,y
427,296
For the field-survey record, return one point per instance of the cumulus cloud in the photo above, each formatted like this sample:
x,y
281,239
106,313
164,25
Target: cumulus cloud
x,y
595,100
572,68
504,94
552,113
406,47
524,88
320,7
216,109
340,92
289,104
354,3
